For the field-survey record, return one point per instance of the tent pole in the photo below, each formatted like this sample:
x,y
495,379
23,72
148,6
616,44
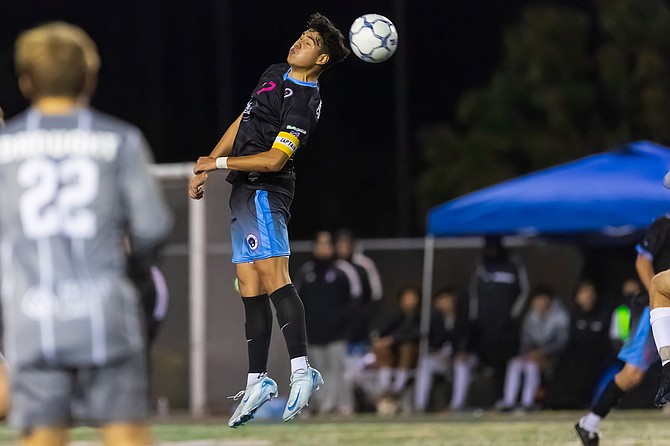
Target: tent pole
x,y
427,287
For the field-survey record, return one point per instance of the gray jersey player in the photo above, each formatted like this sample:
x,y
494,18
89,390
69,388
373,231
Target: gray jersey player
x,y
73,182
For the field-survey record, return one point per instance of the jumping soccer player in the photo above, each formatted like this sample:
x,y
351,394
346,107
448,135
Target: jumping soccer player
x,y
74,182
258,149
659,301
638,352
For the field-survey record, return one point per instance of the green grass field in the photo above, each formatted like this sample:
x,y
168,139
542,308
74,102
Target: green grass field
x,y
623,428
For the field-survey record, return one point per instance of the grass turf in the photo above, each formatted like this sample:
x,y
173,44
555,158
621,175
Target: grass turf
x,y
623,428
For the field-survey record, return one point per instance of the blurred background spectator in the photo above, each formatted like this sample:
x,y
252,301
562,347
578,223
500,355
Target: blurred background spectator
x,y
544,334
587,353
620,319
396,348
498,294
446,349
326,294
349,254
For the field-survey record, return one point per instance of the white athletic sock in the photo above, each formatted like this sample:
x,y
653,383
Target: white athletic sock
x,y
512,381
461,384
660,326
401,377
590,422
384,379
299,363
254,378
531,382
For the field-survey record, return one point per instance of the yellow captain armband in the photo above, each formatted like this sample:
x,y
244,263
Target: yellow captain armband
x,y
287,143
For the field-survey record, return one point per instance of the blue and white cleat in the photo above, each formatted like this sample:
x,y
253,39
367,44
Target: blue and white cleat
x,y
253,397
303,385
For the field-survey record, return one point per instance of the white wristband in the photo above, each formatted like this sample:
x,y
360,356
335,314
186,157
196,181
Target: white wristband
x,y
222,162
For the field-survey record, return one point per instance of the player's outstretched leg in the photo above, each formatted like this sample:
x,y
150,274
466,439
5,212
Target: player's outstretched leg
x,y
258,330
627,379
304,379
303,384
253,397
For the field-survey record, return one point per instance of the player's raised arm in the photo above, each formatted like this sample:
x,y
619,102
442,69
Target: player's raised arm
x,y
224,147
269,161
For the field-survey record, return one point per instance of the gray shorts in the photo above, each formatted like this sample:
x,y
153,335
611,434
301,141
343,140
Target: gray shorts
x,y
46,396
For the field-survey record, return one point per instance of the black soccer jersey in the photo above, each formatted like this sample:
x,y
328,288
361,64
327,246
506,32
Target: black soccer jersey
x,y
281,113
656,243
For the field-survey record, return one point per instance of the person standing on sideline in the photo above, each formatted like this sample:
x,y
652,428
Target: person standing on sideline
x,y
258,150
371,284
364,268
498,294
74,182
326,294
586,354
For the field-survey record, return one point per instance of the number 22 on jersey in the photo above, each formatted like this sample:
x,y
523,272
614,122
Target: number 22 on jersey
x,y
56,196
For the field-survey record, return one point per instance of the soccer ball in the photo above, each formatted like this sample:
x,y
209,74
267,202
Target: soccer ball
x,y
373,38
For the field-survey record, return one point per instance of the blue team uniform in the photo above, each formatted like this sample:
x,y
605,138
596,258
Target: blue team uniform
x,y
281,114
640,349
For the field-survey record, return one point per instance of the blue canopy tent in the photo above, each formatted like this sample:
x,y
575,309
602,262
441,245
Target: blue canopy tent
x,y
615,193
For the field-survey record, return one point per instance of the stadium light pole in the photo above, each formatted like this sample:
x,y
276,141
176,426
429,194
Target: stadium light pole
x,y
401,118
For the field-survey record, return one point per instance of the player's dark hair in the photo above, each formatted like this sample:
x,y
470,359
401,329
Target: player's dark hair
x,y
331,39
345,233
450,291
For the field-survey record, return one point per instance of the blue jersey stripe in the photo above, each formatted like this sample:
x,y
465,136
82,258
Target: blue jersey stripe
x,y
643,252
266,227
296,81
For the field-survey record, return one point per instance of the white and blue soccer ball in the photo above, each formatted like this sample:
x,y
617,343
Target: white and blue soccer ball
x,y
373,38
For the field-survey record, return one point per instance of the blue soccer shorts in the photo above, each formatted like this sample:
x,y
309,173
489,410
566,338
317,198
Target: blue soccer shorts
x,y
639,349
258,226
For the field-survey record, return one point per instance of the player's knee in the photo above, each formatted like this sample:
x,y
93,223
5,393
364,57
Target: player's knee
x,y
249,287
629,378
661,283
273,280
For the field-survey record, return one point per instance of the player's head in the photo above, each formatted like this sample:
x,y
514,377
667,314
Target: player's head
x,y
630,287
320,46
444,301
344,244
541,298
409,299
323,246
586,295
56,60
494,250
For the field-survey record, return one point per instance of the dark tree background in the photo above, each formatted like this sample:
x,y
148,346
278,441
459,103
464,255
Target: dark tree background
x,y
570,82
494,89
